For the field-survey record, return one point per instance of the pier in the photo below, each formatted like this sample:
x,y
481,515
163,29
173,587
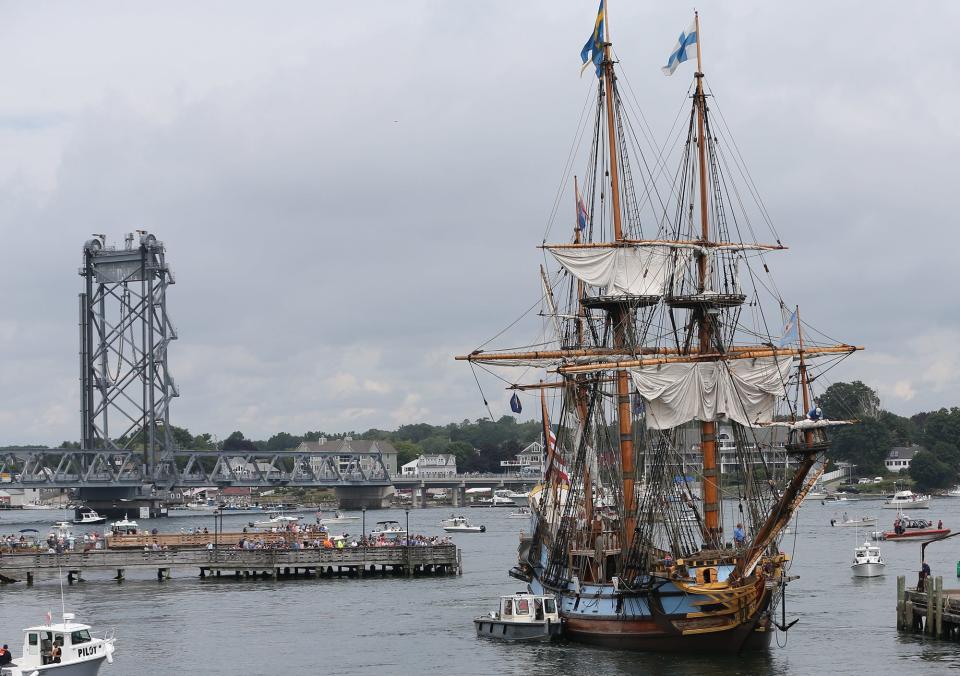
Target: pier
x,y
935,611
406,561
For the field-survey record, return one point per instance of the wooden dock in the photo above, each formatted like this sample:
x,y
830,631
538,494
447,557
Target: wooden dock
x,y
240,563
935,611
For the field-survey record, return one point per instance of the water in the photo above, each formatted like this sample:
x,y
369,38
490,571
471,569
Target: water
x,y
424,625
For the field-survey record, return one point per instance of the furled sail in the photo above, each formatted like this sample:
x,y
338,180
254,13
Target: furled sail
x,y
621,270
744,391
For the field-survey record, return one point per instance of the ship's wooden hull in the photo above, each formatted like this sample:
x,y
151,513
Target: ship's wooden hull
x,y
648,636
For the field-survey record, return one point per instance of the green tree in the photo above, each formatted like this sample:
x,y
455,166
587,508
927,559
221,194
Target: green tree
x,y
849,400
407,451
866,445
282,441
929,472
237,442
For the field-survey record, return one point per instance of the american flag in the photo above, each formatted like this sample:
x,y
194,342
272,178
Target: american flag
x,y
559,466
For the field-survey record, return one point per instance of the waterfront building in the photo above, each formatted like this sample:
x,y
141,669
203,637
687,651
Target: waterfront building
x,y
431,466
349,445
898,459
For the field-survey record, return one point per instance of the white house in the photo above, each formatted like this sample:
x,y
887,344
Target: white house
x,y
529,461
898,459
436,466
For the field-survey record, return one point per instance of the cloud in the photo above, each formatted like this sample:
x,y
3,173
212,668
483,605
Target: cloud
x,y
345,212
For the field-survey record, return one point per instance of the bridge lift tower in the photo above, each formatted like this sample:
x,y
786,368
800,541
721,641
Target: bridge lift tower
x,y
126,387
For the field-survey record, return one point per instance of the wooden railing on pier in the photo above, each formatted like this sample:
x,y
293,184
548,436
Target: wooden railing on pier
x,y
443,559
935,611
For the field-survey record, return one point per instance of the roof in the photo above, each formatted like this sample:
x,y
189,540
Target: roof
x,y
904,452
352,446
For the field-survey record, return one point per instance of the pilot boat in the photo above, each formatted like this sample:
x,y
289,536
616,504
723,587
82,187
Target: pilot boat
x,y
85,516
867,561
80,653
459,524
522,617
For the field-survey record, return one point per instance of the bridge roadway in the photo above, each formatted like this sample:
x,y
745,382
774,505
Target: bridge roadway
x,y
279,563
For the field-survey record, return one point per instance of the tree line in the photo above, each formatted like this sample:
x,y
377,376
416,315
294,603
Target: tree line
x,y
868,443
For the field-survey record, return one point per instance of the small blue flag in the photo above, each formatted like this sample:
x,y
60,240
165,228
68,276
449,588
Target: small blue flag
x,y
515,403
592,52
683,50
582,215
791,331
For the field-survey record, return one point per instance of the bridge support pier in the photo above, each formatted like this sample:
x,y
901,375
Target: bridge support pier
x,y
458,498
360,497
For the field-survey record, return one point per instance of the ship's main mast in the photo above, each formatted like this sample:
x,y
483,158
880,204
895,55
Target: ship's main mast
x,y
620,318
708,429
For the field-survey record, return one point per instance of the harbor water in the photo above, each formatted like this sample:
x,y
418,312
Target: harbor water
x,y
424,625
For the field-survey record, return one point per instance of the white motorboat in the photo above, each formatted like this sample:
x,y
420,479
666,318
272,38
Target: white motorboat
x,y
64,649
521,499
88,516
867,561
953,492
522,513
907,500
390,529
522,617
862,522
279,521
338,517
495,501
124,527
459,524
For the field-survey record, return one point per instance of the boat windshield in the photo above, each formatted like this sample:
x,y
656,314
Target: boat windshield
x,y
523,607
82,636
549,606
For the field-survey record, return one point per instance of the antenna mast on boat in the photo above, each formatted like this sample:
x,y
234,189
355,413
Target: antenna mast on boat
x,y
708,429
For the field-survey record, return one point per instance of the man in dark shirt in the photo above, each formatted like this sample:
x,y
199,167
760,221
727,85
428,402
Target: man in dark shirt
x,y
5,656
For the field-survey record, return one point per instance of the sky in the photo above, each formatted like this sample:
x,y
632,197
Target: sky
x,y
352,193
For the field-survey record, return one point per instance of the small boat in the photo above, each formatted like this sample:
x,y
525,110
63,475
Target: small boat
x,y
867,561
522,513
522,499
388,529
88,516
906,528
338,517
953,492
80,654
459,524
279,521
495,501
124,527
862,522
522,617
907,500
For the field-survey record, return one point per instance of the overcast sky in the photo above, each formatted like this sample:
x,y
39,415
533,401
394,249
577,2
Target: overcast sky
x,y
351,193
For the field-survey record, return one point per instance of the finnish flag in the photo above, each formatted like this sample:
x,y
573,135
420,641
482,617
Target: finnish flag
x,y
684,49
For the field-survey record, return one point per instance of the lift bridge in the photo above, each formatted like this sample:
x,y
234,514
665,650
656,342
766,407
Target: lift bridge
x,y
127,449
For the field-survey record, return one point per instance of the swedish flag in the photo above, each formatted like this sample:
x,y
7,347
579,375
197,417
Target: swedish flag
x,y
593,50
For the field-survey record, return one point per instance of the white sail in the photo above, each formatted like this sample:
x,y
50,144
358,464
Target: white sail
x,y
744,390
620,271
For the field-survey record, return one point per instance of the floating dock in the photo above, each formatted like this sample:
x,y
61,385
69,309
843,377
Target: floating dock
x,y
240,563
935,611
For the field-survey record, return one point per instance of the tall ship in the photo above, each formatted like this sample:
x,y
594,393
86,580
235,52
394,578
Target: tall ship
x,y
674,384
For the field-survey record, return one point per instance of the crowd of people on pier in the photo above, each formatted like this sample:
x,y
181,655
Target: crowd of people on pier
x,y
54,543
